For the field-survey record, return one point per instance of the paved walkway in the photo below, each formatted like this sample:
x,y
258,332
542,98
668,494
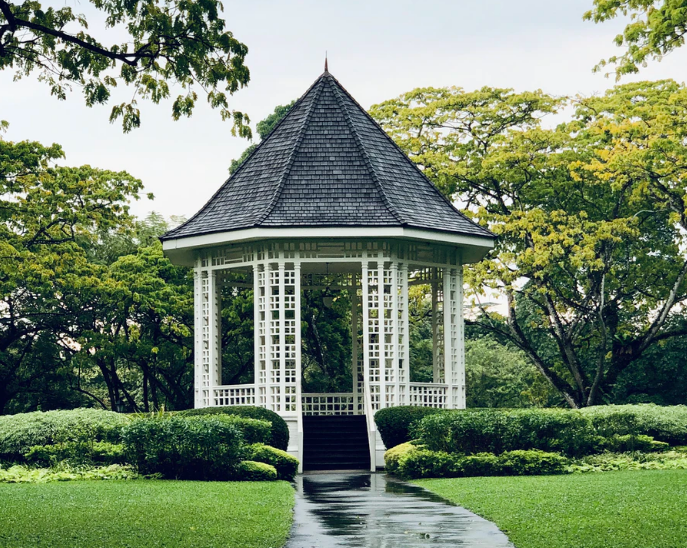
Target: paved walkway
x,y
376,511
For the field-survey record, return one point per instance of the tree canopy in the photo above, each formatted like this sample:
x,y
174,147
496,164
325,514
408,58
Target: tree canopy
x,y
168,44
590,217
656,29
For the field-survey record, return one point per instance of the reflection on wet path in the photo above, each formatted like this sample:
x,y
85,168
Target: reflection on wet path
x,y
376,511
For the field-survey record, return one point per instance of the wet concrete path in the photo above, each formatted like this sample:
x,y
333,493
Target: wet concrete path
x,y
376,511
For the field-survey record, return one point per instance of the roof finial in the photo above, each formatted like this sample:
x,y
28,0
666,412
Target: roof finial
x,y
326,67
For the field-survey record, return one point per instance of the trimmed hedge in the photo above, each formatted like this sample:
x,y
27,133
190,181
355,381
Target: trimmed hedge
x,y
99,452
667,424
497,431
280,431
18,433
177,447
394,423
415,462
285,464
249,470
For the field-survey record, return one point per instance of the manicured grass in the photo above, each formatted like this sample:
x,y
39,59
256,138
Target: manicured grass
x,y
145,513
633,509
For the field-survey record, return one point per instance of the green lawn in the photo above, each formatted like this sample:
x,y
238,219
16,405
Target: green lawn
x,y
145,513
637,509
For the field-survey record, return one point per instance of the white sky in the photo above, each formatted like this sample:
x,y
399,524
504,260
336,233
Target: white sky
x,y
377,50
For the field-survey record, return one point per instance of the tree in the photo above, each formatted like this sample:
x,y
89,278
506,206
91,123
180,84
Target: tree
x,y
656,29
264,128
46,213
168,43
589,217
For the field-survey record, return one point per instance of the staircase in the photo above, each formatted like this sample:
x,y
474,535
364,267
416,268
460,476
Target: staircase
x,y
335,442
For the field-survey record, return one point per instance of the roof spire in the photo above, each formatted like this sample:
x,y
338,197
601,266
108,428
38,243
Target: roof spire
x,y
326,67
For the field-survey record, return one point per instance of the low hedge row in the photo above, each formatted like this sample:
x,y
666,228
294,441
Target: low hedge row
x,y
663,423
19,433
394,423
279,437
413,462
571,432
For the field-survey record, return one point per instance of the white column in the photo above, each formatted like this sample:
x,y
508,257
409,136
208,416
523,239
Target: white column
x,y
354,341
437,327
297,316
460,350
395,337
366,336
197,337
282,337
448,338
215,291
404,342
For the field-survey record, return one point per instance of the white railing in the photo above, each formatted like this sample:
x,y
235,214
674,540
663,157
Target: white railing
x,y
427,394
239,394
329,404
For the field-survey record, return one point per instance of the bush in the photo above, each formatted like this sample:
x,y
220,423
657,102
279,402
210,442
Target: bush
x,y
422,463
18,433
631,442
664,423
481,464
199,448
25,474
394,423
249,470
285,464
496,431
393,456
607,462
280,431
532,463
99,452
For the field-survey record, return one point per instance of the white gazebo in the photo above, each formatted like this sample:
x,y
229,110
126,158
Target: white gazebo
x,y
329,194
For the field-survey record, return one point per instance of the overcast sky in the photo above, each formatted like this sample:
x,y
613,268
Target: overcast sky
x,y
377,50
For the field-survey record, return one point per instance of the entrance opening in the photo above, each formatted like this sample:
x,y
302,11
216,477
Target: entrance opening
x,y
236,334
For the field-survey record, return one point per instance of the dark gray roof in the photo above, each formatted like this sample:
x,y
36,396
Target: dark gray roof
x,y
327,164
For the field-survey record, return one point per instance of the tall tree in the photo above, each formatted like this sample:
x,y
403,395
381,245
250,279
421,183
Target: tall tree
x,y
169,43
46,212
264,128
589,217
656,29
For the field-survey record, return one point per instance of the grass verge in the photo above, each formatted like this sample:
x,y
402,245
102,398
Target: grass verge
x,y
145,513
629,509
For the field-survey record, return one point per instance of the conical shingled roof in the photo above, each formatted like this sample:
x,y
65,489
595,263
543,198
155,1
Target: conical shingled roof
x,y
327,164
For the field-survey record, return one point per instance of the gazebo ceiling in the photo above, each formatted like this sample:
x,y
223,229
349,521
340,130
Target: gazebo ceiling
x,y
328,170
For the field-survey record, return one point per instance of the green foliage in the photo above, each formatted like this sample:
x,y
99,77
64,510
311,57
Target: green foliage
x,y
667,424
65,472
620,510
166,44
635,460
423,463
177,447
264,128
392,456
654,30
99,452
285,464
248,470
631,442
496,431
146,514
18,433
589,217
394,423
280,431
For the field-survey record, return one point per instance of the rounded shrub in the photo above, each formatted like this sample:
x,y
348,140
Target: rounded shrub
x,y
177,447
392,457
249,470
279,437
532,463
18,433
663,423
394,423
285,464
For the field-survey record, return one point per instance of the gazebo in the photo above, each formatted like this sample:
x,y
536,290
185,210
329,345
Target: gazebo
x,y
328,193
